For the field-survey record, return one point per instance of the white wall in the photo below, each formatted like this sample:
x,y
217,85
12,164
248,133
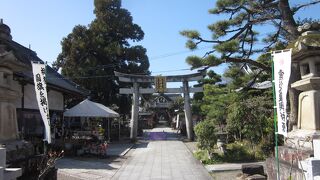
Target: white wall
x,y
30,101
55,98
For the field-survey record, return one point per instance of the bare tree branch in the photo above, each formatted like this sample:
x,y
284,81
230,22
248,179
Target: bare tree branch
x,y
208,53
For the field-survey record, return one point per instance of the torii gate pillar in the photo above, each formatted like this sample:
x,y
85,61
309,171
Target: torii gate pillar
x,y
187,110
135,112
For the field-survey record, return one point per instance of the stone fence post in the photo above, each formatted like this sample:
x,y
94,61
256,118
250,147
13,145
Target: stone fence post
x,y
2,162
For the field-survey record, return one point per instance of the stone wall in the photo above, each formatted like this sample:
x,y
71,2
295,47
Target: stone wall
x,y
286,170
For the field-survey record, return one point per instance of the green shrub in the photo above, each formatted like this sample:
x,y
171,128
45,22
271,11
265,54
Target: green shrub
x,y
203,156
243,151
239,151
205,132
264,149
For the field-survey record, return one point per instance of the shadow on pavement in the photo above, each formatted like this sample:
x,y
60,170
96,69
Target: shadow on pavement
x,y
140,144
85,163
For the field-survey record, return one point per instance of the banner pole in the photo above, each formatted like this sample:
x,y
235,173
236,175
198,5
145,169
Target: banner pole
x,y
275,121
45,148
39,77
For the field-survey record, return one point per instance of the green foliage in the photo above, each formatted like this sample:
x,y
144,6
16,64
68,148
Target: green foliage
x,y
203,157
190,34
212,74
191,45
236,35
212,78
219,28
227,3
212,60
214,103
205,132
228,47
244,151
197,62
238,151
194,61
238,78
247,113
97,50
101,131
178,104
250,118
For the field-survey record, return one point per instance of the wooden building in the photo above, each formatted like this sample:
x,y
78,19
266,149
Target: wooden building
x,y
59,88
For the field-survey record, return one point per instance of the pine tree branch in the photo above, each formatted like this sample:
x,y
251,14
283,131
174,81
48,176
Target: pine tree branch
x,y
207,41
208,53
251,44
245,27
297,8
275,37
248,61
252,81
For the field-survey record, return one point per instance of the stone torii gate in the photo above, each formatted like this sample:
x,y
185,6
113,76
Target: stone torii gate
x,y
136,91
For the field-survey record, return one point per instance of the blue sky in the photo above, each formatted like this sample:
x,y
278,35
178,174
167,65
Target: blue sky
x,y
43,24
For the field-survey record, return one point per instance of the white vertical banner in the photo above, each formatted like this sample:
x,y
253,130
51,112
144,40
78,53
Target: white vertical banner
x,y
282,71
39,76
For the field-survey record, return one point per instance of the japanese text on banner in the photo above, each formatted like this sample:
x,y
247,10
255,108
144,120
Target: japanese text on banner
x,y
282,71
39,74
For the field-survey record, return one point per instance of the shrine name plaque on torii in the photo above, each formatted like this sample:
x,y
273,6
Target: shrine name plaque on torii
x,y
136,91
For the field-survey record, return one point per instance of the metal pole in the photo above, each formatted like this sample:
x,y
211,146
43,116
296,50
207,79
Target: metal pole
x,y
44,142
108,121
119,128
275,122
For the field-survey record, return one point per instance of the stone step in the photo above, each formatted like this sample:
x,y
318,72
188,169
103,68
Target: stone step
x,y
12,173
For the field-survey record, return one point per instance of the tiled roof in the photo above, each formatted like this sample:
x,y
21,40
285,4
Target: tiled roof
x,y
54,79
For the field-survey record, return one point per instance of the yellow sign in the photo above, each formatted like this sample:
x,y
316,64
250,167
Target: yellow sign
x,y
160,84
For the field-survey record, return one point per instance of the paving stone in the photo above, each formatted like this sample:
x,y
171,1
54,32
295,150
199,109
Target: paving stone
x,y
164,160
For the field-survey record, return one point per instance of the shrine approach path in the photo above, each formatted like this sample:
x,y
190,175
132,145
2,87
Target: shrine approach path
x,y
161,155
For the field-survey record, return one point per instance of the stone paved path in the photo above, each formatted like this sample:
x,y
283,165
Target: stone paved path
x,y
169,159
87,168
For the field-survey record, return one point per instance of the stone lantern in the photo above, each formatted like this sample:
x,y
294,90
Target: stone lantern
x,y
299,146
8,95
309,98
307,54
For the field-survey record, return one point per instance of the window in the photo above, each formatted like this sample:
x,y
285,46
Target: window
x,y
305,69
318,68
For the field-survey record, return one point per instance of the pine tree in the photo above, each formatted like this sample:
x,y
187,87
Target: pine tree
x,y
240,37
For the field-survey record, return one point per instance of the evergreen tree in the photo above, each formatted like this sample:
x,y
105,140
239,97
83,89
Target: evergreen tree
x,y
238,38
97,50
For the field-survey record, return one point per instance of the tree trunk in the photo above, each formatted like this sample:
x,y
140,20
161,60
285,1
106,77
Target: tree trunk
x,y
290,26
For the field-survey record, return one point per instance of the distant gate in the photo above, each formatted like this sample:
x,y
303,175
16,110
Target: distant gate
x,y
160,87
